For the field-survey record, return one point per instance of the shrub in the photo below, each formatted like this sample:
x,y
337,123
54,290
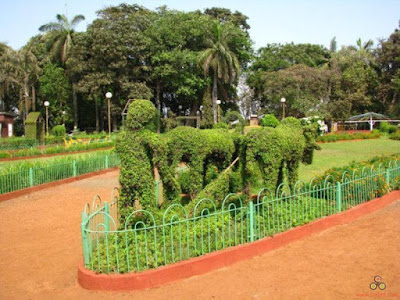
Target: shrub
x,y
235,116
333,137
220,126
51,140
12,143
395,136
269,120
59,130
387,128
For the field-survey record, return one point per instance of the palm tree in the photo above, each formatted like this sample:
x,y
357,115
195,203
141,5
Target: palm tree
x,y
220,59
63,31
61,43
366,46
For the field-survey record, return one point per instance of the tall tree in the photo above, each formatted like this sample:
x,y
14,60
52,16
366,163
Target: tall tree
x,y
21,68
389,65
63,32
220,59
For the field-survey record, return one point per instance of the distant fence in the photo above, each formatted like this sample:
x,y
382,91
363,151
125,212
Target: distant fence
x,y
14,179
149,239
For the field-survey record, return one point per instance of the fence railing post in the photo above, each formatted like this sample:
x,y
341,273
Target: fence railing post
x,y
31,177
339,196
106,213
84,239
74,168
388,178
251,220
106,162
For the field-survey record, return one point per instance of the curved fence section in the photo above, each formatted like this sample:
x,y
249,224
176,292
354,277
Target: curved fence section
x,y
25,176
148,239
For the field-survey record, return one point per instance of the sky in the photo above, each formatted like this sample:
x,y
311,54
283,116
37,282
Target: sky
x,y
271,21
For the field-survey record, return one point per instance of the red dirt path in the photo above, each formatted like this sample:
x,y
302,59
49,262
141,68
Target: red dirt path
x,y
40,249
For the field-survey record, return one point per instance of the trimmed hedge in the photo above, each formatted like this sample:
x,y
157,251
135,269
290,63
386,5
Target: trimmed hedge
x,y
196,161
12,143
269,120
59,130
334,137
55,149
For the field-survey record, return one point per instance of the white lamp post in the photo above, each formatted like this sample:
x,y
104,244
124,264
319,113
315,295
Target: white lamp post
x,y
283,101
108,96
63,116
218,110
46,104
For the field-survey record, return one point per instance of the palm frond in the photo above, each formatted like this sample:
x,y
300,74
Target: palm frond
x,y
76,20
50,27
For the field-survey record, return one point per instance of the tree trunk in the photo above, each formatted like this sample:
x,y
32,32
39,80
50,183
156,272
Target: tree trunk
x,y
75,104
158,103
214,97
33,98
26,98
96,110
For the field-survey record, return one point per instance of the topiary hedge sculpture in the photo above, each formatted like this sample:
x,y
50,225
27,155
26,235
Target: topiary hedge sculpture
x,y
203,163
143,154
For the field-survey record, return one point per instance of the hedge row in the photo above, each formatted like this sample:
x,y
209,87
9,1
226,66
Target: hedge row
x,y
55,150
334,137
15,143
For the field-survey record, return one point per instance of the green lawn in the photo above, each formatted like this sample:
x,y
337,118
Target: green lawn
x,y
341,153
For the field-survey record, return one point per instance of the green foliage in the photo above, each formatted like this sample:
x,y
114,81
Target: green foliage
x,y
55,88
387,128
17,177
235,116
395,136
56,149
343,136
59,130
34,127
269,120
12,143
292,122
270,150
220,126
170,122
142,114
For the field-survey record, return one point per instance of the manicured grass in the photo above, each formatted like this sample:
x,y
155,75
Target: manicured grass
x,y
341,153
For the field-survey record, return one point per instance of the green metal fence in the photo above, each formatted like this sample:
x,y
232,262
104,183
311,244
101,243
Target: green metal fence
x,y
14,179
149,239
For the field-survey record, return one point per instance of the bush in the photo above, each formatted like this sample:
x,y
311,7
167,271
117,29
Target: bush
x,y
334,137
220,126
395,136
51,140
12,143
59,130
269,120
387,128
235,116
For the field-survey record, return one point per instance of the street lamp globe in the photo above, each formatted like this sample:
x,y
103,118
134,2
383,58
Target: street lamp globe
x,y
46,103
108,95
180,106
283,100
218,102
